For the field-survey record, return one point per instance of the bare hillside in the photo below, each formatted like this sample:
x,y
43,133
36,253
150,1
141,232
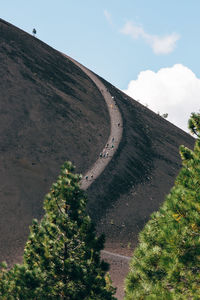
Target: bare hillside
x,y
50,112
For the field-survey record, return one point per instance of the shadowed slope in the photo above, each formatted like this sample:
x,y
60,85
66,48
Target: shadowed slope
x,y
140,174
136,181
50,112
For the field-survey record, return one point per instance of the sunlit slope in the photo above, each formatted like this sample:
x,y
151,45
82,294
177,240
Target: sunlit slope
x,y
50,112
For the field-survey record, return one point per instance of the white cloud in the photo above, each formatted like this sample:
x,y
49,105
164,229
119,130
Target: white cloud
x,y
108,17
165,44
160,45
174,90
132,30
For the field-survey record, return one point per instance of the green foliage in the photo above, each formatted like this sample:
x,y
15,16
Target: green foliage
x,y
34,31
166,263
62,255
165,115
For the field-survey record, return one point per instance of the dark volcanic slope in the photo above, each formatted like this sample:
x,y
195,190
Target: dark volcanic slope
x,y
140,175
136,181
50,111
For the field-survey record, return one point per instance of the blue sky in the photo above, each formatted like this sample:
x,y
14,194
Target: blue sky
x,y
121,40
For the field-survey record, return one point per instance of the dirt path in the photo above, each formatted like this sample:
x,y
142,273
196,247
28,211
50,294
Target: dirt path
x,y
119,268
111,254
116,130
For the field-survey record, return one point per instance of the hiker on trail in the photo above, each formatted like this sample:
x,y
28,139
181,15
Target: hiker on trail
x,y
113,139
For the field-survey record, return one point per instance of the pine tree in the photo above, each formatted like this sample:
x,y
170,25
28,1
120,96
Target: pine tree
x,y
34,31
166,263
62,255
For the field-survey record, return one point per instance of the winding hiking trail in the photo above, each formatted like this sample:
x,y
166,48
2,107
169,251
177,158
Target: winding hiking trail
x,y
119,262
116,130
